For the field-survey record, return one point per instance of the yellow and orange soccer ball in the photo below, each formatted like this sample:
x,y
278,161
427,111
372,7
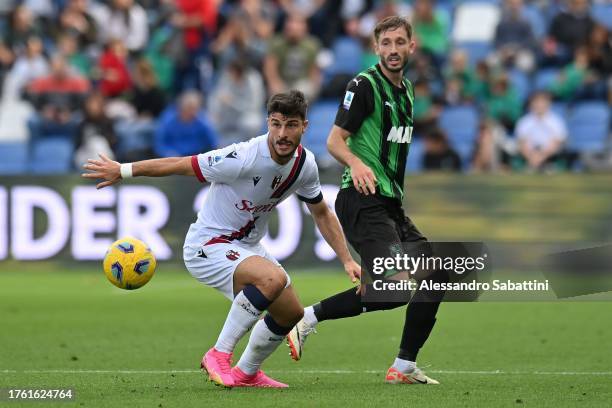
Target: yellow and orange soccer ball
x,y
129,263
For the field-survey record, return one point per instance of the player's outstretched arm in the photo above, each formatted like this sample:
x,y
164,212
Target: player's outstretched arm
x,y
363,177
113,172
328,224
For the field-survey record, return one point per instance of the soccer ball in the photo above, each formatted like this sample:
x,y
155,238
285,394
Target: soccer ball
x,y
129,263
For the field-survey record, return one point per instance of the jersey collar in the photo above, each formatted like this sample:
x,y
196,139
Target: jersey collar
x,y
389,81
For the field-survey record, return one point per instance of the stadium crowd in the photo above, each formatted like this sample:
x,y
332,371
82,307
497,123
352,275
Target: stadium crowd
x,y
499,85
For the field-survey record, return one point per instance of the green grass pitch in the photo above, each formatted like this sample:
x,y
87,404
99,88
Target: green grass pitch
x,y
143,348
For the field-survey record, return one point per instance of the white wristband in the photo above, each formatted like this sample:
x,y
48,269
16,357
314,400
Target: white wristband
x,y
126,170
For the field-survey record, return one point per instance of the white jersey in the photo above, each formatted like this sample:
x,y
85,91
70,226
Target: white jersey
x,y
246,186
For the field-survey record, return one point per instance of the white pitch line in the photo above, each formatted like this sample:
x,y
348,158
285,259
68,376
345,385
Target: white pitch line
x,y
450,372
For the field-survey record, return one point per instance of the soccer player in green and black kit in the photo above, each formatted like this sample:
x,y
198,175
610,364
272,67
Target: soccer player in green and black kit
x,y
371,137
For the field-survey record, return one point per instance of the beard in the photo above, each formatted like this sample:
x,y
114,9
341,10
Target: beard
x,y
400,68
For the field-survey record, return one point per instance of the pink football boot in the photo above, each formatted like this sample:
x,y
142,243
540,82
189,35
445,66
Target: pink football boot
x,y
259,379
218,366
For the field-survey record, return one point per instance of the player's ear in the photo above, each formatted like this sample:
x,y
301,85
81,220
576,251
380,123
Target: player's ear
x,y
412,46
305,125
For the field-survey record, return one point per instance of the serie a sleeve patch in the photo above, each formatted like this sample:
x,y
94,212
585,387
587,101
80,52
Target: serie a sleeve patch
x,y
348,99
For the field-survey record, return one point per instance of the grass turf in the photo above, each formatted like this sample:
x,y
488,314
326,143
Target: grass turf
x,y
142,348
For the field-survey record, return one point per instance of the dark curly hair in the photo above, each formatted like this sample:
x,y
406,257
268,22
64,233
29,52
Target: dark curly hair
x,y
292,103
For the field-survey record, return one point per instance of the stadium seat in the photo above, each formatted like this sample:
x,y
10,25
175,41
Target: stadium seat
x,y
13,158
347,56
520,82
321,117
52,156
461,125
415,156
560,108
588,126
602,13
475,22
544,79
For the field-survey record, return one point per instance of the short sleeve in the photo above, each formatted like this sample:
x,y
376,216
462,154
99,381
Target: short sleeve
x,y
310,189
560,128
357,104
220,165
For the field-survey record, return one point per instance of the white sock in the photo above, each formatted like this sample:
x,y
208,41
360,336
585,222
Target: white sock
x,y
404,366
309,316
241,317
262,343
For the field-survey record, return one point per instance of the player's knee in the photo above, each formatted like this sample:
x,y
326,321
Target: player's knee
x,y
272,283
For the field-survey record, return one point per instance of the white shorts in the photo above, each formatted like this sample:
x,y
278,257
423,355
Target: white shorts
x,y
214,264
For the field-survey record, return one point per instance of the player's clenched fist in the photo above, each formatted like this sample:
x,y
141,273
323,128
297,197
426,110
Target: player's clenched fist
x,y
363,177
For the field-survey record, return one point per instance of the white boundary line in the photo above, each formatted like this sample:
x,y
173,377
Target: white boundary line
x,y
449,372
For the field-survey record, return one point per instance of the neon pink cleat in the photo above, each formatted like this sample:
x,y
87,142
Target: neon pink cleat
x,y
259,379
218,366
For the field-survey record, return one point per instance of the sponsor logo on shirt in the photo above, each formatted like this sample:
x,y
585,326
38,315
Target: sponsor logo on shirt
x,y
246,205
256,180
348,99
400,134
232,155
212,160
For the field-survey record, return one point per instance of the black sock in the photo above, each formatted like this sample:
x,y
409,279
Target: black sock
x,y
348,304
343,304
420,320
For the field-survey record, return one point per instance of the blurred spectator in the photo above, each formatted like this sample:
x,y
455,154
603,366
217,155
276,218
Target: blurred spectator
x,y
568,30
247,33
600,60
6,61
136,133
114,74
541,133
462,83
439,155
573,77
323,17
237,103
515,41
123,19
29,66
426,110
22,26
291,62
58,98
95,133
196,23
491,152
430,29
68,46
76,20
502,102
182,130
147,97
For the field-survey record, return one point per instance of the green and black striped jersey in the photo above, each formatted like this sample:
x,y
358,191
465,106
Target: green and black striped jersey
x,y
379,116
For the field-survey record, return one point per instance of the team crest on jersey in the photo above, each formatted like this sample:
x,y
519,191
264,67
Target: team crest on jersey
x,y
232,255
348,100
276,182
212,160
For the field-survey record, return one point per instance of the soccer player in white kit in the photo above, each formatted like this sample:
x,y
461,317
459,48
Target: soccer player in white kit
x,y
222,248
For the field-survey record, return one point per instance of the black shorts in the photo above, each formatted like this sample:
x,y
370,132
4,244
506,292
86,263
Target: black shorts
x,y
373,218
374,223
